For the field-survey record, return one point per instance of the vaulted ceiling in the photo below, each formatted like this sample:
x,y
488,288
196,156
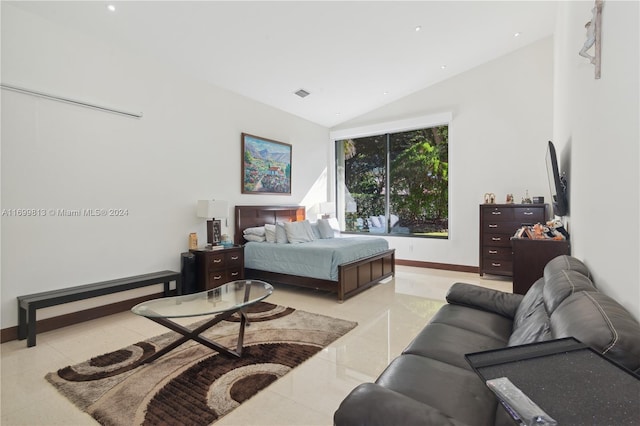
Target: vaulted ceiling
x,y
352,57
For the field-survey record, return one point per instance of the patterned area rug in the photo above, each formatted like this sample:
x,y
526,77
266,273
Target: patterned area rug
x,y
194,384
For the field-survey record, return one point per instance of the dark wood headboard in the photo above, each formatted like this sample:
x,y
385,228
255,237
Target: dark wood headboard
x,y
250,216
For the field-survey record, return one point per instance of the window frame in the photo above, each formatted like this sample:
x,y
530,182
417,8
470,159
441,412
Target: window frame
x,y
405,125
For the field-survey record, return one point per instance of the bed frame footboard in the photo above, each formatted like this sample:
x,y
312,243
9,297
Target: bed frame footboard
x,y
353,277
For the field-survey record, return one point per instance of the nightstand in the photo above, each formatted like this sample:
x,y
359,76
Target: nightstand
x,y
218,266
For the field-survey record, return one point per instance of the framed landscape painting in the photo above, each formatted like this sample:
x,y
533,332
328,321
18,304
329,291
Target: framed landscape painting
x,y
266,166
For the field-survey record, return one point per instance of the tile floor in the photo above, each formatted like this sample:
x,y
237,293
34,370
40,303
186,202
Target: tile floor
x,y
389,315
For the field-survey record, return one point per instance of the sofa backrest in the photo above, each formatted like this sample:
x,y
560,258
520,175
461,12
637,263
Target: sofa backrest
x,y
565,303
597,320
531,322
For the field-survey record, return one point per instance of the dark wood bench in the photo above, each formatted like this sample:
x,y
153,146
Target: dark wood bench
x,y
27,305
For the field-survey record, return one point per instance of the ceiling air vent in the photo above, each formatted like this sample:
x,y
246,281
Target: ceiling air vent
x,y
302,93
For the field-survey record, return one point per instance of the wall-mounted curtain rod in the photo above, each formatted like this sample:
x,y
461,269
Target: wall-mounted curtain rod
x,y
68,100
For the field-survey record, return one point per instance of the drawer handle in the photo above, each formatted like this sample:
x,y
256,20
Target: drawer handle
x,y
497,265
217,277
217,260
496,239
233,274
496,213
528,213
493,251
235,257
493,225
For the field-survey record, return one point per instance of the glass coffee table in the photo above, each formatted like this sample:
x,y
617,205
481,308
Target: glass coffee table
x,y
223,302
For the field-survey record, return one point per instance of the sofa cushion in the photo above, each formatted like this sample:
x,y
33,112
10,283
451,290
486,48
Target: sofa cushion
x,y
565,263
597,320
449,344
536,328
477,297
529,303
475,320
372,405
563,284
456,392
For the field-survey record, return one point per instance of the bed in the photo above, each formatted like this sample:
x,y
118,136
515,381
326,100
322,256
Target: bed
x,y
351,277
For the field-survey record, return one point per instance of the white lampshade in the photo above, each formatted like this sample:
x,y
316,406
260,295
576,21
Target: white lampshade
x,y
211,209
327,207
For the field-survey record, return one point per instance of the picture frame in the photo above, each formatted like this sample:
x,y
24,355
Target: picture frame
x,y
266,166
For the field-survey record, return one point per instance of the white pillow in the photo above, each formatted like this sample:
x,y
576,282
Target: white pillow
x,y
281,234
258,230
325,229
299,232
316,231
393,219
375,222
270,233
255,238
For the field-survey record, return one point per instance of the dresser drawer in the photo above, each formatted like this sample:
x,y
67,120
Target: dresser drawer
x,y
500,227
499,267
496,240
497,213
530,214
492,253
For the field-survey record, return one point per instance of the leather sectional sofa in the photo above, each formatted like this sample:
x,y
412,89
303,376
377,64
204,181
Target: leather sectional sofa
x,y
432,383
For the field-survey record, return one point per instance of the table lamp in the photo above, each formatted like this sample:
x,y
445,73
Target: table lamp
x,y
210,210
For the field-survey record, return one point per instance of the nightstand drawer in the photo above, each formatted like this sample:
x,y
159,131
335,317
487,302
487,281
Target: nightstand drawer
x,y
216,261
234,259
219,266
235,274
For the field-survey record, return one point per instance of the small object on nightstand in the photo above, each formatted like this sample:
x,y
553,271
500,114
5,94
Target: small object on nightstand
x,y
193,241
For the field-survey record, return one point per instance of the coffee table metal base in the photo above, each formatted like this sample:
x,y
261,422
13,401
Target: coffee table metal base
x,y
195,335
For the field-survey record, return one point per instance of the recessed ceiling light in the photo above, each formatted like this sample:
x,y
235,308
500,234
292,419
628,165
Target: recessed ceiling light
x,y
442,67
385,93
111,8
418,28
516,35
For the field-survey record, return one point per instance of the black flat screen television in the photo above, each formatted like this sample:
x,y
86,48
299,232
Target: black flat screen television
x,y
557,183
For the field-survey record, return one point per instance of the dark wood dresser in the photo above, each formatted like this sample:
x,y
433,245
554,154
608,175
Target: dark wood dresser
x,y
217,267
498,223
530,257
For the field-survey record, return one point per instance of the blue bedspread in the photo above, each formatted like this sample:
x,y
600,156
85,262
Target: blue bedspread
x,y
315,259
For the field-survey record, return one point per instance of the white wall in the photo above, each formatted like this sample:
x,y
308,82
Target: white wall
x,y
597,128
502,120
60,156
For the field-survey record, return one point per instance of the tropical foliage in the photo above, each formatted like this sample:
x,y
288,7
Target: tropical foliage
x,y
418,177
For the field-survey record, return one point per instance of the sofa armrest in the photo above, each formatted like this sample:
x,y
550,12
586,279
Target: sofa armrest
x,y
370,404
486,299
